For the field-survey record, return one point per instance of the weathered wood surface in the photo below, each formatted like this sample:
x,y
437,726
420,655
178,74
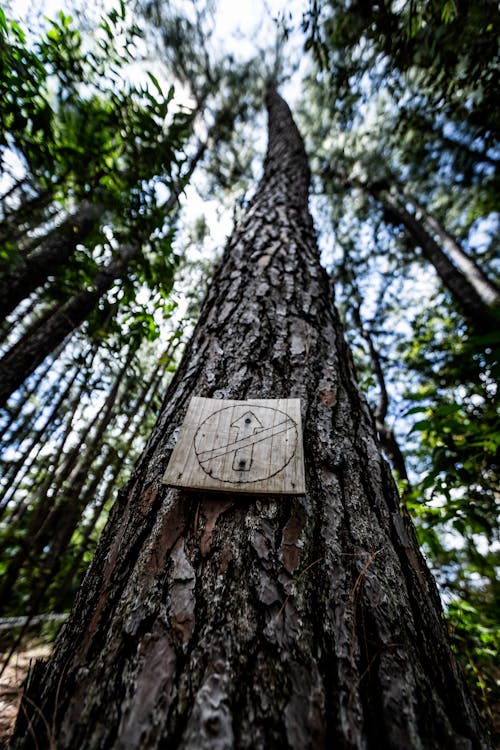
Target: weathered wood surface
x,y
252,446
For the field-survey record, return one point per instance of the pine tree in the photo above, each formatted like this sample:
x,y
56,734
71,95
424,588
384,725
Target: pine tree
x,y
222,621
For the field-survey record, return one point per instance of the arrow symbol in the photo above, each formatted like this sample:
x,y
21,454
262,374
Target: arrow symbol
x,y
246,425
262,434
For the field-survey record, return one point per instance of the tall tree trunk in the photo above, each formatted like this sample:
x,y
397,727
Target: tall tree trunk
x,y
474,274
221,621
33,270
19,468
54,519
386,435
464,292
23,313
42,338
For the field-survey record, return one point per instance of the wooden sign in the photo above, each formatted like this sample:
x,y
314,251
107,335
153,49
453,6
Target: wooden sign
x,y
240,446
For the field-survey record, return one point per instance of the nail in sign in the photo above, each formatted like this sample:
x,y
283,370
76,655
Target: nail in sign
x,y
240,446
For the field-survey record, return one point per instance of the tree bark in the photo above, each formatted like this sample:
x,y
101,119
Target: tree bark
x,y
222,621
30,272
51,330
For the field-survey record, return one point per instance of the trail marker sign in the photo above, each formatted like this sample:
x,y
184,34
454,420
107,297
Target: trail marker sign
x,y
240,446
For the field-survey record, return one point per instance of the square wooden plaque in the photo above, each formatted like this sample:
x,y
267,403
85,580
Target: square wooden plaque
x,y
240,446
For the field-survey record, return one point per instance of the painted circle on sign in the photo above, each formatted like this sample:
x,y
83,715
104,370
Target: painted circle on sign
x,y
244,443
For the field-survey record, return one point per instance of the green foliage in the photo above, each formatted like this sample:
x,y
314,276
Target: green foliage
x,y
104,141
455,502
460,429
448,49
475,635
78,128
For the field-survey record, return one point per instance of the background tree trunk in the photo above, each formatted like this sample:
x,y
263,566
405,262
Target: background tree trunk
x,y
17,471
33,270
477,278
221,621
388,440
473,292
58,512
51,330
473,305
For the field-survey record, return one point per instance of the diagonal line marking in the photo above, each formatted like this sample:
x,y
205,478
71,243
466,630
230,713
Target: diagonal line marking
x,y
257,437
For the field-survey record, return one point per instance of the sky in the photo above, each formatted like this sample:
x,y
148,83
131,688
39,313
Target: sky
x,y
238,25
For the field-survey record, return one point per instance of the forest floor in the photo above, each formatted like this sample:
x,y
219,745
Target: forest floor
x,y
11,685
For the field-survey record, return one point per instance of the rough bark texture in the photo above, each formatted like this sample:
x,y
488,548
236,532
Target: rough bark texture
x,y
30,272
47,333
225,621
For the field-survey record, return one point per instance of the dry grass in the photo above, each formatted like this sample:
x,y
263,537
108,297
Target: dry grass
x,y
11,685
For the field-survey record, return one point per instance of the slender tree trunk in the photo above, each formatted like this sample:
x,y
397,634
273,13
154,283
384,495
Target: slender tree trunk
x,y
22,314
16,222
63,469
29,389
40,483
464,291
53,462
45,537
222,621
474,274
104,493
42,338
24,464
474,293
33,270
386,435
23,182
74,499
65,461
